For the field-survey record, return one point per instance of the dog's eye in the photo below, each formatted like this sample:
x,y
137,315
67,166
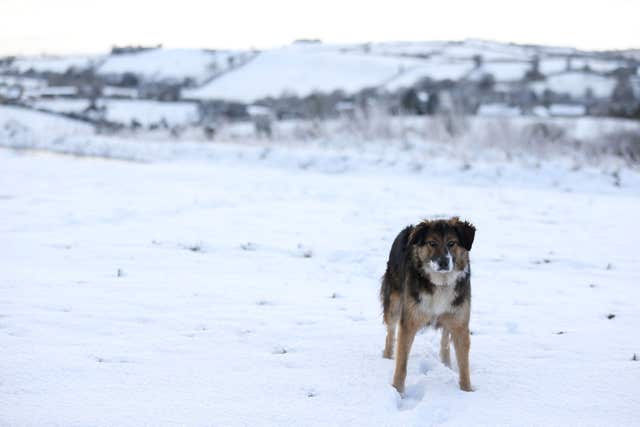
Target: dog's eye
x,y
451,243
432,243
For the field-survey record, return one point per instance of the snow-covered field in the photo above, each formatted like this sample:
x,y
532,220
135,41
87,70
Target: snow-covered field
x,y
170,64
301,70
237,284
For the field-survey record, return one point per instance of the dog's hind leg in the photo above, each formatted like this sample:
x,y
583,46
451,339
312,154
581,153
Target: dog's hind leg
x,y
391,317
445,353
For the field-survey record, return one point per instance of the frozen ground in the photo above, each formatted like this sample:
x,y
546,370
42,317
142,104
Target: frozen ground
x,y
242,290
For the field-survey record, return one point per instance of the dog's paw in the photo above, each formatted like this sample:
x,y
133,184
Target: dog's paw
x,y
399,388
466,387
387,354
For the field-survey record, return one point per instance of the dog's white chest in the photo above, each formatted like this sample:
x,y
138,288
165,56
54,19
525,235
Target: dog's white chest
x,y
439,302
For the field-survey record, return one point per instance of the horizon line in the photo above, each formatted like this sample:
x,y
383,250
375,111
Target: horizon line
x,y
160,45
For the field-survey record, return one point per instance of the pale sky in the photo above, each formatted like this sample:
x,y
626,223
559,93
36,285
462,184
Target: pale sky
x,y
85,26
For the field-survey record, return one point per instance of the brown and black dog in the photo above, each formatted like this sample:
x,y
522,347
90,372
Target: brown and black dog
x,y
427,282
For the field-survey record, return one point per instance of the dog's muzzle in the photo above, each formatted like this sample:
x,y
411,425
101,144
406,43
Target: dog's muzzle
x,y
443,264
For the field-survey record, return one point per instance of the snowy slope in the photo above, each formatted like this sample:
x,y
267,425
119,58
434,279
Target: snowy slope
x,y
168,64
303,69
22,127
228,292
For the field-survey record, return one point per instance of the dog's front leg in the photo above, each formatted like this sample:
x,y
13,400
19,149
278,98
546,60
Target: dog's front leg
x,y
406,334
445,353
462,342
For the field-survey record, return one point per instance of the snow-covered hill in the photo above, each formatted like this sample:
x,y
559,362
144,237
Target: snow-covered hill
x,y
302,68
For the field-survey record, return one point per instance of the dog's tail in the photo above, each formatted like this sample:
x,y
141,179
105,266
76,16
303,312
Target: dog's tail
x,y
385,294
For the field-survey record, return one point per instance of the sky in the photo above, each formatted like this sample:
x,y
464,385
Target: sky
x,y
86,26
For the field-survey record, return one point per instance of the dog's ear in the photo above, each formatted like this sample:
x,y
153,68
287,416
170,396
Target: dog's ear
x,y
466,232
419,234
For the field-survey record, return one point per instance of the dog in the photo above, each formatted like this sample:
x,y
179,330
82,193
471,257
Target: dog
x,y
427,282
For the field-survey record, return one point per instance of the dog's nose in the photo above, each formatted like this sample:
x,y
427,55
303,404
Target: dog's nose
x,y
443,263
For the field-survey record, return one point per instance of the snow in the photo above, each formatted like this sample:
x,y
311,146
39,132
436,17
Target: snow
x,y
488,51
237,284
552,65
54,64
259,110
498,109
599,65
50,91
169,64
540,111
449,50
556,65
148,112
25,82
124,111
22,127
119,92
406,48
434,69
301,70
576,84
566,110
501,71
61,105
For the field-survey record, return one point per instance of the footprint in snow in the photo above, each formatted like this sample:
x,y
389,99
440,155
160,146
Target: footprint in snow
x,y
412,396
100,359
428,365
512,327
303,251
249,246
264,302
280,350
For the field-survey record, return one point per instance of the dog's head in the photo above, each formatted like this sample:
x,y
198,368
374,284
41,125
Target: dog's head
x,y
442,246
